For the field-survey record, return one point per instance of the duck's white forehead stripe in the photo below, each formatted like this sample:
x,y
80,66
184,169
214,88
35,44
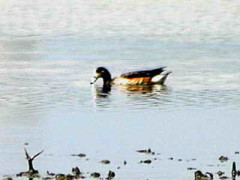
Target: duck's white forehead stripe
x,y
95,74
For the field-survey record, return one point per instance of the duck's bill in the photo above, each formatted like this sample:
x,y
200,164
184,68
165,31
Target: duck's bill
x,y
94,80
96,76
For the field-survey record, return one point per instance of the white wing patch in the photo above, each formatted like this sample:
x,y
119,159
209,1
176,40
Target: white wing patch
x,y
157,78
161,78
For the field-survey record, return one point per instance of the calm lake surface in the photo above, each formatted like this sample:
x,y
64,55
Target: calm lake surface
x,y
49,50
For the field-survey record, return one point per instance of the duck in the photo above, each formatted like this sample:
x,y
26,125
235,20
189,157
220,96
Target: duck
x,y
143,77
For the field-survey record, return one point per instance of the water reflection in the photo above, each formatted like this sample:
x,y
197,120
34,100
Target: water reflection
x,y
159,97
137,96
143,89
102,92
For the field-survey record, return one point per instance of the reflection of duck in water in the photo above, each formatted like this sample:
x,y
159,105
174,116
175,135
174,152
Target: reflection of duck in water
x,y
146,77
102,91
143,89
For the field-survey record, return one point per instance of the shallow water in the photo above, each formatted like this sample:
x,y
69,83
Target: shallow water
x,y
47,101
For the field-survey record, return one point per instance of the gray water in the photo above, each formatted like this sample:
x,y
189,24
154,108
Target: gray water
x,y
49,50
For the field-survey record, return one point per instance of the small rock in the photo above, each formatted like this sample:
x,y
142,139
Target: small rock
x,y
146,151
223,158
29,173
224,177
191,168
146,161
95,175
7,178
124,163
220,173
81,155
105,162
76,171
200,176
70,177
111,175
60,177
50,174
47,178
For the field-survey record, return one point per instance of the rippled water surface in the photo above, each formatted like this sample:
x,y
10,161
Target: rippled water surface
x,y
49,50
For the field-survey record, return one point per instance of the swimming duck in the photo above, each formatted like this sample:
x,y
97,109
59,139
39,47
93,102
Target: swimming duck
x,y
145,77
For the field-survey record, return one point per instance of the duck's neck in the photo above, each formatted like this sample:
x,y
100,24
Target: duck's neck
x,y
107,79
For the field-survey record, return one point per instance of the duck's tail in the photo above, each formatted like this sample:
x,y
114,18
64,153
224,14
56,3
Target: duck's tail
x,y
161,78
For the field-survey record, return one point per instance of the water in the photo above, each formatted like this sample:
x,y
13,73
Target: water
x,y
48,51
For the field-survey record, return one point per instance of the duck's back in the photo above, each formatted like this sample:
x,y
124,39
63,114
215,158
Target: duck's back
x,y
146,77
139,77
145,73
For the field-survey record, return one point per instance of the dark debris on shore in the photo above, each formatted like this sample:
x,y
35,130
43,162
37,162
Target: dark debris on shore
x,y
76,173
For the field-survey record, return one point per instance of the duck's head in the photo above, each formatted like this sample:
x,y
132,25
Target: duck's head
x,y
102,72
